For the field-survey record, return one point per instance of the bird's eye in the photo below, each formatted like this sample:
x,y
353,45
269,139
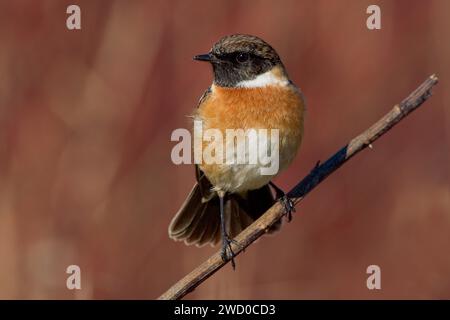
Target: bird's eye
x,y
242,57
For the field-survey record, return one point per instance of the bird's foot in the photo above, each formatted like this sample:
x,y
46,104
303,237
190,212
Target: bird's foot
x,y
289,206
285,200
227,252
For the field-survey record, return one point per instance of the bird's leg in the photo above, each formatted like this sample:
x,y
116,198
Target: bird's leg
x,y
226,240
287,202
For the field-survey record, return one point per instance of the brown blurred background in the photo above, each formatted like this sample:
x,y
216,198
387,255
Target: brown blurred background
x,y
85,170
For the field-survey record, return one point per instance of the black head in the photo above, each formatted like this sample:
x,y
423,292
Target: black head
x,y
239,57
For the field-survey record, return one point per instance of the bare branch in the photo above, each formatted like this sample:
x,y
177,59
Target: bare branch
x,y
316,176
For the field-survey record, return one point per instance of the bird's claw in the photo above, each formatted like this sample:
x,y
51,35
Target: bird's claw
x,y
288,205
227,252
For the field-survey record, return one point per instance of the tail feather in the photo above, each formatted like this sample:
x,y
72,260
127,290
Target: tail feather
x,y
181,222
239,218
198,220
196,229
195,222
211,230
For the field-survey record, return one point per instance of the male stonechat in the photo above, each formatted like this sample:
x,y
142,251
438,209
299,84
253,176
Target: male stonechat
x,y
250,90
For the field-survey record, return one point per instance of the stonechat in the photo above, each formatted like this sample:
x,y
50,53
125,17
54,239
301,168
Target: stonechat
x,y
251,90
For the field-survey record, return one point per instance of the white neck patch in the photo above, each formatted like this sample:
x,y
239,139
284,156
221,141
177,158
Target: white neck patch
x,y
263,80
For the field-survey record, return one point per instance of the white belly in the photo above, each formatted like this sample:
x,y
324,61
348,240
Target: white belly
x,y
240,178
249,176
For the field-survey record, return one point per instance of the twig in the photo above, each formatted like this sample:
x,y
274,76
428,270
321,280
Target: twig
x,y
316,176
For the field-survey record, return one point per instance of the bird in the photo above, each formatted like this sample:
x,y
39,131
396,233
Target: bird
x,y
250,90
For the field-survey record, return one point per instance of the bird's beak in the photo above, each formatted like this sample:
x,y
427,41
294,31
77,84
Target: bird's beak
x,y
204,57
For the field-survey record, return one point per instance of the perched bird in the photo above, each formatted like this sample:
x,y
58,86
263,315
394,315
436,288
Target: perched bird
x,y
251,90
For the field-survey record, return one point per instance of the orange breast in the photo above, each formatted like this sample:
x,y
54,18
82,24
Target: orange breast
x,y
271,107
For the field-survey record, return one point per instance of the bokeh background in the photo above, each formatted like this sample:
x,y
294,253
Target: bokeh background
x,y
85,170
